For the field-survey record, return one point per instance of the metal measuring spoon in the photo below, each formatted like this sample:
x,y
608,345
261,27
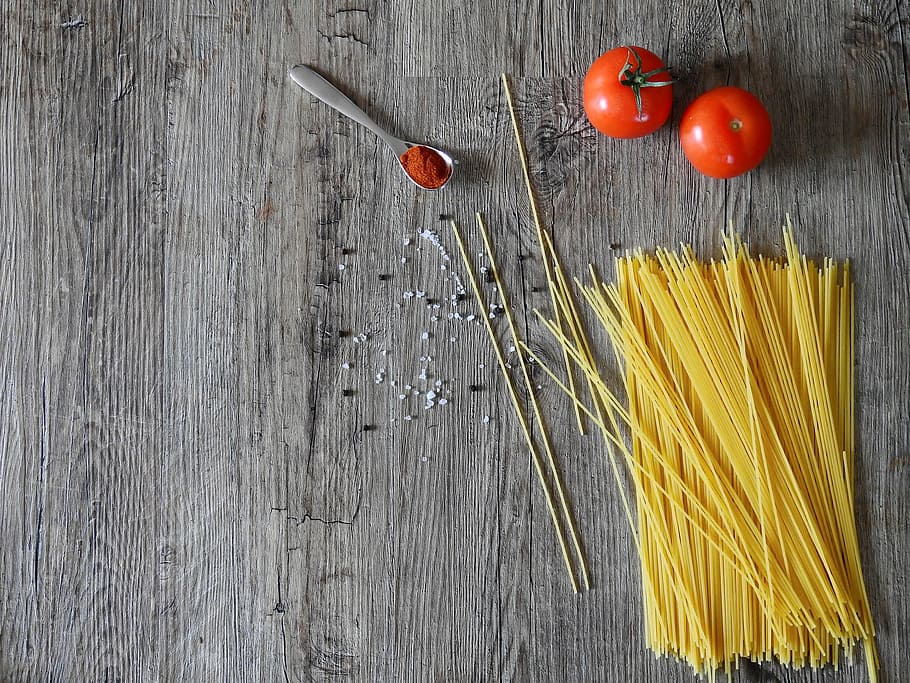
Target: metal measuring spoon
x,y
316,85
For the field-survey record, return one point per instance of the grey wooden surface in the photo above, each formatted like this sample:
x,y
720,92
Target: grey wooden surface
x,y
193,487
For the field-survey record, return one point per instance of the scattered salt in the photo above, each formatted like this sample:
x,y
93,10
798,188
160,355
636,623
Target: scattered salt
x,y
341,266
433,239
425,335
443,401
345,366
486,419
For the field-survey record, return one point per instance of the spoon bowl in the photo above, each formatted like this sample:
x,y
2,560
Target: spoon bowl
x,y
441,166
318,86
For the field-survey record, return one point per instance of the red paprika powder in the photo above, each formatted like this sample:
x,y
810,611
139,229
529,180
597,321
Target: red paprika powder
x,y
426,167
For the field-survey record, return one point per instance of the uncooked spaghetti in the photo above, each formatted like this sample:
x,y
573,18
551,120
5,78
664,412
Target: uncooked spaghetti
x,y
739,384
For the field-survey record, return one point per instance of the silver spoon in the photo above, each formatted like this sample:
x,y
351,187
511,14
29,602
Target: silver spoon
x,y
316,85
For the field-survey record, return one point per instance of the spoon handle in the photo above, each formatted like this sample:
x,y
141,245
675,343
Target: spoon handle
x,y
316,85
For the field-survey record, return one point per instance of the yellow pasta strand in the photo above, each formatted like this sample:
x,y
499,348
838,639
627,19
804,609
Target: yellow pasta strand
x,y
519,410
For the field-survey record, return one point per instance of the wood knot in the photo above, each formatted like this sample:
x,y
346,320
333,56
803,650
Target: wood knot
x,y
562,140
866,38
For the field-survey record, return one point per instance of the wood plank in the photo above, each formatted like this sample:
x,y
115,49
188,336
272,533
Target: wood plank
x,y
80,352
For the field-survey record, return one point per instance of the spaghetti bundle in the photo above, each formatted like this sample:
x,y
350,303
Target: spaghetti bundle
x,y
739,383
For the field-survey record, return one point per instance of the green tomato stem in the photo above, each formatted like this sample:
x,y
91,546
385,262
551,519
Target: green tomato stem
x,y
636,79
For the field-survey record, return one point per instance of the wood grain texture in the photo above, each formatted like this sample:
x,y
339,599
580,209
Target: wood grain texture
x,y
214,291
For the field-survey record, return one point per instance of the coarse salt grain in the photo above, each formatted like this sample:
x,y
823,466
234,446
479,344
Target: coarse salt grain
x,y
443,401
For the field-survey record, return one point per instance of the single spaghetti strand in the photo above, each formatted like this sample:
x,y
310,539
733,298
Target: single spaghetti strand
x,y
570,310
532,394
516,404
522,155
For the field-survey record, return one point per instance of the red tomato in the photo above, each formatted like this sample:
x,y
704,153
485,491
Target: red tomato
x,y
621,99
725,132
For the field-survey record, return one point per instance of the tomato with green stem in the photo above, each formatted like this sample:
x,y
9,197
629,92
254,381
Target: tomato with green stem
x,y
725,132
627,92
